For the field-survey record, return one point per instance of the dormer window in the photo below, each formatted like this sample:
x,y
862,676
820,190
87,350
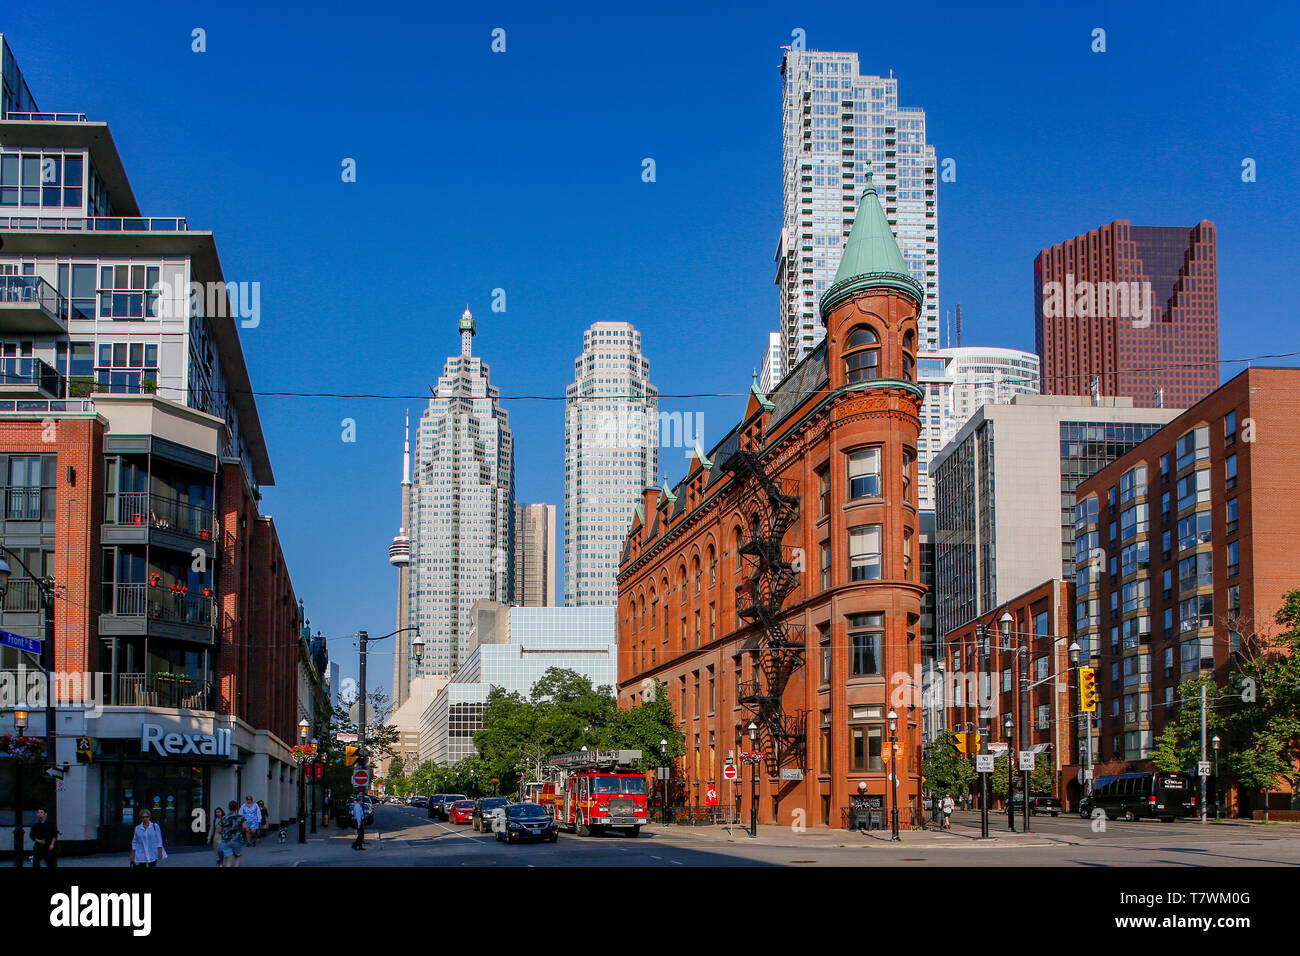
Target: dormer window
x,y
862,355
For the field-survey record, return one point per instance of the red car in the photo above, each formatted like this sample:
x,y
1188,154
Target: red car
x,y
462,811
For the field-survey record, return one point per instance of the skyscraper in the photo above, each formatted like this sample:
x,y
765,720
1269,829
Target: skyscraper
x,y
461,511
1133,309
399,556
535,555
769,370
611,454
838,126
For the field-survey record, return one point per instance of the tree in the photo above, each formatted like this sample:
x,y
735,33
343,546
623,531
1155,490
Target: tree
x,y
1164,755
1265,728
643,727
947,769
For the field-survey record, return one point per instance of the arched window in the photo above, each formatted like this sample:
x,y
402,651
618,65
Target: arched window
x,y
862,355
695,570
713,568
909,356
735,548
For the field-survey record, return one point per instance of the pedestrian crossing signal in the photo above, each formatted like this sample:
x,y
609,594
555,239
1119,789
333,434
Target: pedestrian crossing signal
x,y
1088,690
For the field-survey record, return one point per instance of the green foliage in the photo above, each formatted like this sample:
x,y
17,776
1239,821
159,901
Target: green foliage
x,y
1164,755
946,769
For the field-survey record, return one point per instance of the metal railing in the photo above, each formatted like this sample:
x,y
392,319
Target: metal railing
x,y
96,224
162,603
15,370
45,117
160,511
43,406
23,504
163,690
22,594
35,290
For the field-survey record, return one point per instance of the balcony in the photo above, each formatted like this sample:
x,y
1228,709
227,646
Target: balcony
x,y
29,377
21,596
95,224
30,304
163,690
141,509
158,603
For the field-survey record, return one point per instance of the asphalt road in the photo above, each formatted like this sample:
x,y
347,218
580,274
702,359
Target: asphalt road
x,y
405,836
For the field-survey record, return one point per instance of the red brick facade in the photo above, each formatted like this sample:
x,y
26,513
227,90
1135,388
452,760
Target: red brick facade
x,y
687,572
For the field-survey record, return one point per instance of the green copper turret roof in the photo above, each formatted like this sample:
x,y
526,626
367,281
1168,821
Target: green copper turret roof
x,y
871,256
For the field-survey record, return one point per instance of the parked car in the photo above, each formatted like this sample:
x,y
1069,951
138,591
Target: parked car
x,y
485,808
418,801
1135,795
462,811
1038,803
441,804
527,821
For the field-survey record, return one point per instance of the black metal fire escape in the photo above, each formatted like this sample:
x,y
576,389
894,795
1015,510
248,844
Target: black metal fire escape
x,y
777,647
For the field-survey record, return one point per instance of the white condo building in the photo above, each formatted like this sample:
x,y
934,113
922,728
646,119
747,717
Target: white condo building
x,y
957,381
838,125
611,453
460,522
769,370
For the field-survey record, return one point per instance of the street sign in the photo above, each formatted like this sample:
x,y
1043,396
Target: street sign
x,y
729,772
1027,760
29,644
360,778
1203,768
791,774
711,796
983,763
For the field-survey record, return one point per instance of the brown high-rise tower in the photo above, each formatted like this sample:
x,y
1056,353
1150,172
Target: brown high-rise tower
x,y
1132,308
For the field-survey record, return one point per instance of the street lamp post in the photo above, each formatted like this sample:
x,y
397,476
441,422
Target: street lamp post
x,y
893,774
753,781
302,784
665,774
46,588
1011,811
1218,793
316,748
417,646
20,724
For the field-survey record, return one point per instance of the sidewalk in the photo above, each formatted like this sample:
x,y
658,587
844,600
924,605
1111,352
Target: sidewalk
x,y
327,846
784,836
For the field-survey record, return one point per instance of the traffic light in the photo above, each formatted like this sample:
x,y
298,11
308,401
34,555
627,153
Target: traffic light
x,y
1088,689
349,755
968,743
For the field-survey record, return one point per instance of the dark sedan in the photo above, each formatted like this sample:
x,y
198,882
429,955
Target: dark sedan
x,y
485,809
527,821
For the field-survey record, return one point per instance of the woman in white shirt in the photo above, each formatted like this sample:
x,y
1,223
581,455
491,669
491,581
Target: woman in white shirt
x,y
147,843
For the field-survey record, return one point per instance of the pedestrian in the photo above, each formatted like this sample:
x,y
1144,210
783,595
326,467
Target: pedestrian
x,y
359,817
232,828
261,829
217,816
147,842
252,815
947,806
45,838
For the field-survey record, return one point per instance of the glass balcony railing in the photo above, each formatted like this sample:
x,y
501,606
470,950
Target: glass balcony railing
x,y
95,224
163,690
31,372
33,290
46,117
162,603
159,511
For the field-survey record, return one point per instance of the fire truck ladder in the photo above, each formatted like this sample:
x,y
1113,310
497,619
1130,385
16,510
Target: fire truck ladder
x,y
777,646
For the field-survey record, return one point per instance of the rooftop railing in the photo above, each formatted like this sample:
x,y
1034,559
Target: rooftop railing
x,y
46,117
95,224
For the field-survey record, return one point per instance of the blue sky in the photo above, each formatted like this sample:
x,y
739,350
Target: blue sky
x,y
522,171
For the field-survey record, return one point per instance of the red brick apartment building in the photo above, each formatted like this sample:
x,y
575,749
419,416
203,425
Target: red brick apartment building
x,y
779,583
1184,545
1024,672
1135,307
131,458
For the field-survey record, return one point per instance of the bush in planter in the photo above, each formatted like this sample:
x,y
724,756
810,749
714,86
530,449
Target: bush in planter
x,y
81,386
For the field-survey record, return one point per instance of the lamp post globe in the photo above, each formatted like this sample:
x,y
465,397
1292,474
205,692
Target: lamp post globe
x,y
892,718
20,724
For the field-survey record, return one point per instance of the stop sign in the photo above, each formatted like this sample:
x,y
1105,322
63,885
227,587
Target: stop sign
x,y
360,778
729,771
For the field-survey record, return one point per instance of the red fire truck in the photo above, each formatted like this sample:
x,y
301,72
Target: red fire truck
x,y
592,791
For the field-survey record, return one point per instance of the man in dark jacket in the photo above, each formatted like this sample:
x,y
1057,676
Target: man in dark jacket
x,y
45,840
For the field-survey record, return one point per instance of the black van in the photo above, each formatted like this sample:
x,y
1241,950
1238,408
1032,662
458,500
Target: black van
x,y
1133,796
